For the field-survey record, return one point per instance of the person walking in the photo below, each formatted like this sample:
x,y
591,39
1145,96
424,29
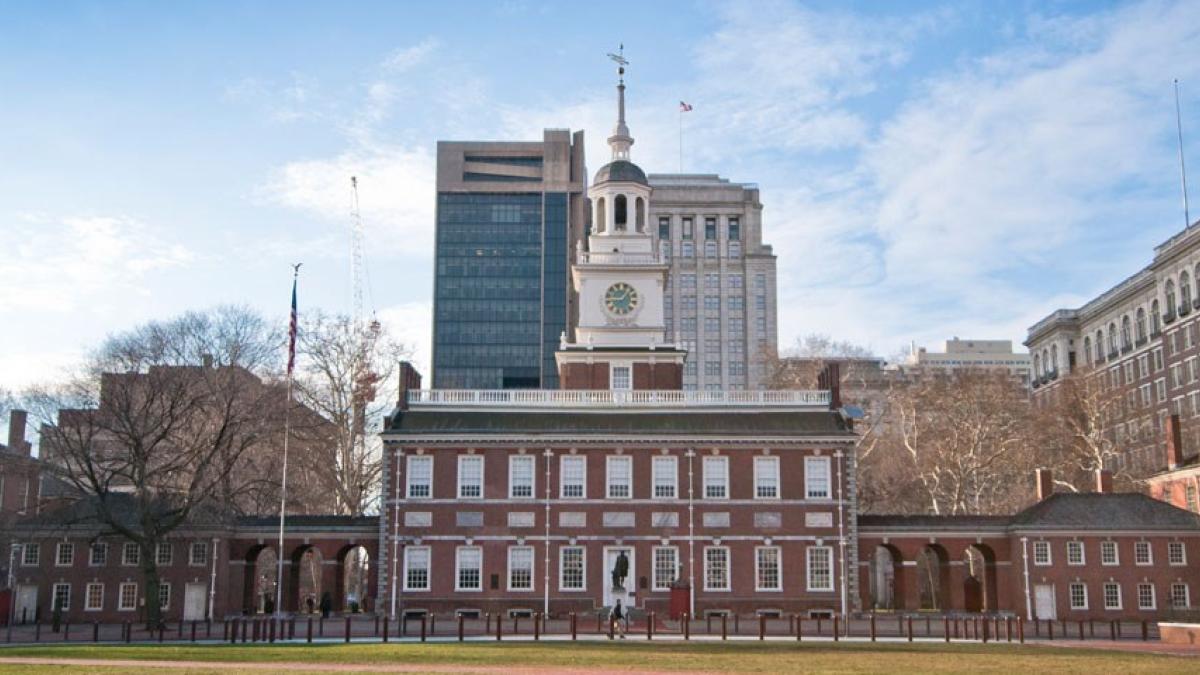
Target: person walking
x,y
618,616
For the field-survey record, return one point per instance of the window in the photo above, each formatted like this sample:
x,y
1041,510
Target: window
x,y
31,555
93,598
470,476
127,596
716,568
712,325
766,477
666,566
520,568
1179,596
164,594
1041,553
820,568
131,554
164,554
816,477
61,597
571,567
198,554
468,568
735,229
664,227
1112,595
1146,599
620,477
736,303
665,477
1142,554
716,477
710,227
1176,554
420,477
1108,553
520,476
737,368
1079,597
735,281
64,556
574,476
712,368
687,227
766,569
1075,553
688,249
622,378
98,554
712,303
416,568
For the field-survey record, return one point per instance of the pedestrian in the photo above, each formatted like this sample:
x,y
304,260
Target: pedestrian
x,y
618,615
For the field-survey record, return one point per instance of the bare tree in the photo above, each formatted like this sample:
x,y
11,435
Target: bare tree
x,y
1078,425
340,367
148,435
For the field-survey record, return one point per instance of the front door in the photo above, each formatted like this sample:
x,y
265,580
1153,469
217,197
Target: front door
x,y
619,578
26,604
1043,601
193,602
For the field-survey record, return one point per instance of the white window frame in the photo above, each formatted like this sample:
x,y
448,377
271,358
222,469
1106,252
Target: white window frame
x,y
609,462
513,461
1120,601
410,553
1138,548
809,555
664,470
128,560
1074,547
563,461
624,368
164,595
64,554
31,560
121,606
655,559
758,569
1143,585
66,605
409,484
198,546
1105,548
716,475
709,568
1071,595
1187,595
164,560
1040,547
88,606
464,460
1172,559
819,465
92,549
562,569
766,477
458,568
532,569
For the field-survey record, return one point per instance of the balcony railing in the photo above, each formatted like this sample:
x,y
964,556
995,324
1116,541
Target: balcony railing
x,y
608,258
587,398
1169,316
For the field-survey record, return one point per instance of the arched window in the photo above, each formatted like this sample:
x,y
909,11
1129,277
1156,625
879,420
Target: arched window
x,y
1126,332
601,215
1185,293
1196,278
1112,338
1170,297
620,213
1140,325
1046,361
1155,318
640,215
1100,345
1087,350
1053,359
1037,365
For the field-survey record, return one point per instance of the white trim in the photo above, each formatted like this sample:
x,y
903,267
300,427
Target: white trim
x,y
778,569
583,568
532,570
408,550
130,546
1104,593
819,461
1137,546
67,546
121,607
1116,550
562,476
578,398
654,585
98,545
1182,548
1153,596
66,606
722,477
608,477
1187,594
1071,596
1082,553
409,461
673,473
469,459
767,460
728,570
808,568
1044,546
87,596
612,376
458,551
532,461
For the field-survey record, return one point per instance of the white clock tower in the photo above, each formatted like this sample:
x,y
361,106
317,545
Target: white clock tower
x,y
620,341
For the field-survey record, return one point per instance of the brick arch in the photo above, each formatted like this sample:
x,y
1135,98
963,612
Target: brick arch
x,y
251,573
367,596
296,574
933,578
887,568
979,589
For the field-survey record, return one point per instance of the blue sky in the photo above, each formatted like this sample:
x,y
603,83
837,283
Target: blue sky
x,y
927,169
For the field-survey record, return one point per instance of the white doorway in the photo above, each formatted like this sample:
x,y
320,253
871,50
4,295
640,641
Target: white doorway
x,y
627,594
1043,601
193,602
26,604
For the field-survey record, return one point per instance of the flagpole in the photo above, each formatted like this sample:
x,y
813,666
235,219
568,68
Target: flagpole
x,y
287,432
681,138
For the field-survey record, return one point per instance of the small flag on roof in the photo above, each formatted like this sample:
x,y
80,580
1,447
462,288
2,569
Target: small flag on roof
x,y
685,107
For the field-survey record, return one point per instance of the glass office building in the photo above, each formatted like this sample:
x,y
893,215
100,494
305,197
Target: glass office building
x,y
502,297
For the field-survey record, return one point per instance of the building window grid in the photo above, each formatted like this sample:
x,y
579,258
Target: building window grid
x,y
572,565
574,477
1146,599
468,568
420,477
522,472
198,553
1079,596
716,568
816,477
164,595
1075,555
127,596
665,478
1109,554
416,568
1112,595
520,568
1142,555
131,554
470,477
64,554
61,596
164,553
1041,553
767,569
666,567
766,478
1180,596
98,554
1176,554
716,477
31,555
820,568
93,597
619,477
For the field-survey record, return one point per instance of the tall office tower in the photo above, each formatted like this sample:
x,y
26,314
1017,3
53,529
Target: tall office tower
x,y
508,213
720,296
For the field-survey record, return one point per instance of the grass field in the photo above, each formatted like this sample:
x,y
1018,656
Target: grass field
x,y
741,657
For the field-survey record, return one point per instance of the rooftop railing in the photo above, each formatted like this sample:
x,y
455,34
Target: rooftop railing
x,y
587,398
603,258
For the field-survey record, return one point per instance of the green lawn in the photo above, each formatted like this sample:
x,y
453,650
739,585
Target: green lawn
x,y
745,657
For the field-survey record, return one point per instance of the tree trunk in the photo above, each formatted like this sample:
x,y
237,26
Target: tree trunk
x,y
151,580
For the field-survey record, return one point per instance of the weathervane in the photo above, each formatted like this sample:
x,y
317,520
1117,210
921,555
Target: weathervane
x,y
620,60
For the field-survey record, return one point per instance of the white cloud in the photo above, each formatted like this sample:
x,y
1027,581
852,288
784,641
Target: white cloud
x,y
407,58
411,324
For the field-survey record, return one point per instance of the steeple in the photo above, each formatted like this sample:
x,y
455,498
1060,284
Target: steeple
x,y
620,141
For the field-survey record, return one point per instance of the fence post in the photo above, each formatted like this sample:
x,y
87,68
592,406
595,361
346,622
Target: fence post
x,y
193,630
1081,629
1145,631
724,626
245,629
348,629
308,638
872,626
910,628
460,627
818,624
321,626
423,618
1092,627
433,624
385,627
611,627
574,628
985,631
799,628
649,625
835,627
737,624
1021,629
687,630
499,623
271,629
1049,630
762,626
376,633
946,627
537,633
181,628
208,628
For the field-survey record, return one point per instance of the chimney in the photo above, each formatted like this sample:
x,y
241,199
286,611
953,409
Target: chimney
x,y
410,380
16,433
1174,443
1104,483
1045,483
830,379
207,360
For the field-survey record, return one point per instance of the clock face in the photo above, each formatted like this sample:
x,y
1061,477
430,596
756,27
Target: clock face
x,y
620,299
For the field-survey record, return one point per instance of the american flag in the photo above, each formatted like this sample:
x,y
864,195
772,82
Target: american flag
x,y
685,107
292,328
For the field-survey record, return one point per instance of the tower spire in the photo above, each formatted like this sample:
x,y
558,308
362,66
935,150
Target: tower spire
x,y
620,141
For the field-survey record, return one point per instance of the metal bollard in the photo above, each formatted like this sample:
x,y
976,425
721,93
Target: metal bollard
x,y
385,628
762,626
460,627
193,630
161,629
835,627
872,627
308,637
499,623
423,617
1081,629
292,628
348,629
1049,630
910,629
376,633
1021,629
95,631
724,627
611,626
1145,631
245,629
818,624
433,624
516,625
799,629
737,624
946,627
985,631
271,629
208,628
687,630
573,626
180,636
708,627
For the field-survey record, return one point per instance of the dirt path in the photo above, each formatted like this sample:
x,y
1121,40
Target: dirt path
x,y
1137,647
299,667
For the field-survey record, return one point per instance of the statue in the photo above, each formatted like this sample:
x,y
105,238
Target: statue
x,y
620,570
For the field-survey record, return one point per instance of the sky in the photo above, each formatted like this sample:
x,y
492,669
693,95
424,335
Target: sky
x,y
927,170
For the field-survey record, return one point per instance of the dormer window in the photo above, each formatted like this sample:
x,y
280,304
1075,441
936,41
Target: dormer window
x,y
622,378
